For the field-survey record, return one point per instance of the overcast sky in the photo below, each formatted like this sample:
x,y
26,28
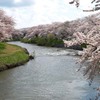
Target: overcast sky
x,y
27,13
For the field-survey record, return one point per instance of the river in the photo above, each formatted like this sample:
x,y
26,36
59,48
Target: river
x,y
50,76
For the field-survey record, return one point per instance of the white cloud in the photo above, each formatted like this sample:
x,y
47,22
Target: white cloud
x,y
46,11
86,5
17,1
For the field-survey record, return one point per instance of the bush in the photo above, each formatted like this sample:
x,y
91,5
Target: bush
x,y
53,41
50,40
25,40
41,41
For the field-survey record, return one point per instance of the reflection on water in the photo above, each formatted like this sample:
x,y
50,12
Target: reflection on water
x,y
46,78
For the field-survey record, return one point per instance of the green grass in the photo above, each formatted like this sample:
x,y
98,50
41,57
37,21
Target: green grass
x,y
2,46
12,55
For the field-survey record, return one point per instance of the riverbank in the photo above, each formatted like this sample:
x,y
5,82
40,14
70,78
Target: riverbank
x,y
49,41
12,56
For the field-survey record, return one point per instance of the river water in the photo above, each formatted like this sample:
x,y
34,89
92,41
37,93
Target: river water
x,y
50,76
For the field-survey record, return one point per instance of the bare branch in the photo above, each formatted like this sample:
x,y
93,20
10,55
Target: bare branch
x,y
96,8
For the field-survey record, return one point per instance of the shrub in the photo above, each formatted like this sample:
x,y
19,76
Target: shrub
x,y
49,40
41,41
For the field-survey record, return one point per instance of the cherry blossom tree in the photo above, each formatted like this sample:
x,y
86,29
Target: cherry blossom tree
x,y
6,25
91,54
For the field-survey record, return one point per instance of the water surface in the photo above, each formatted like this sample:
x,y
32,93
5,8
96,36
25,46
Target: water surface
x,y
47,77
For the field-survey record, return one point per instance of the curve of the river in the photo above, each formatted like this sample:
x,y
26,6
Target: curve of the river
x,y
47,77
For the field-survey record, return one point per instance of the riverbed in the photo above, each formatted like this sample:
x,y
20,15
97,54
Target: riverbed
x,y
52,75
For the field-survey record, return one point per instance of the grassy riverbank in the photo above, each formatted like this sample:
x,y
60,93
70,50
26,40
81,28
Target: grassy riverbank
x,y
12,56
45,41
